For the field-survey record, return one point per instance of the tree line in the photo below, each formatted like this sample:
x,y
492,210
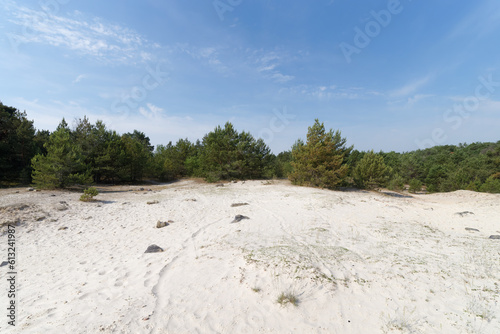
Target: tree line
x,y
91,153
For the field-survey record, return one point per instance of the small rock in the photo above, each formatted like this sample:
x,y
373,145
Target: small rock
x,y
61,206
52,195
39,219
239,218
150,189
494,237
465,213
161,224
141,189
191,200
154,249
238,204
4,263
471,229
31,189
62,228
220,185
152,202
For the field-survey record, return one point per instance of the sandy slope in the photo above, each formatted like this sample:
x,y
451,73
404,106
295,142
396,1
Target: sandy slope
x,y
359,262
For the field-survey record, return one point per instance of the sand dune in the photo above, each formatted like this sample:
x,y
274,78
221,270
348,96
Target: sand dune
x,y
357,262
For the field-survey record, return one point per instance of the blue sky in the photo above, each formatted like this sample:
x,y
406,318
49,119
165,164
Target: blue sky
x,y
390,75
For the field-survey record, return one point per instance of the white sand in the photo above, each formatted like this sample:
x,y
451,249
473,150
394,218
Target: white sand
x,y
358,262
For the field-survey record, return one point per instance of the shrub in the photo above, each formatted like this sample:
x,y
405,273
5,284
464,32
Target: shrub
x,y
89,194
492,185
415,185
396,183
371,171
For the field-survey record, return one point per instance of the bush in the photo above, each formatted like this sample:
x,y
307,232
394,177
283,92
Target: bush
x,y
396,183
371,171
89,194
415,185
492,185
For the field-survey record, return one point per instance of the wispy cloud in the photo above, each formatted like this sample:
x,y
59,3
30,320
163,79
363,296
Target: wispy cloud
x,y
152,111
268,64
418,97
332,92
410,87
88,36
79,78
483,20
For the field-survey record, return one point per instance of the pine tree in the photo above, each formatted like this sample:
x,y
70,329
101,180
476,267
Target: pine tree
x,y
63,165
227,154
320,161
371,171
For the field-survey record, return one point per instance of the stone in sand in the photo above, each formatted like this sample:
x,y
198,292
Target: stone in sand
x,y
220,185
238,204
161,224
494,236
154,249
471,229
239,218
465,213
152,202
61,206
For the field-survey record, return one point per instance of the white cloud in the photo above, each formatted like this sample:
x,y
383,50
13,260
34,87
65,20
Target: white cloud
x,y
87,36
332,92
281,78
267,65
79,78
416,98
152,111
410,87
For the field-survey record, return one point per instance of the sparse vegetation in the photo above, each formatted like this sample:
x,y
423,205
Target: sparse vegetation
x,y
287,298
89,194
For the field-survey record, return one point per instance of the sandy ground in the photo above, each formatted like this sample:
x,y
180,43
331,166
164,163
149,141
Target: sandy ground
x,y
357,262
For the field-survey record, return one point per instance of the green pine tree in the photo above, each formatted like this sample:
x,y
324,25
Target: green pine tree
x,y
64,163
320,161
371,171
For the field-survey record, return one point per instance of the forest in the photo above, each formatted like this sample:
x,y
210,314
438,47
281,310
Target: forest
x,y
87,154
